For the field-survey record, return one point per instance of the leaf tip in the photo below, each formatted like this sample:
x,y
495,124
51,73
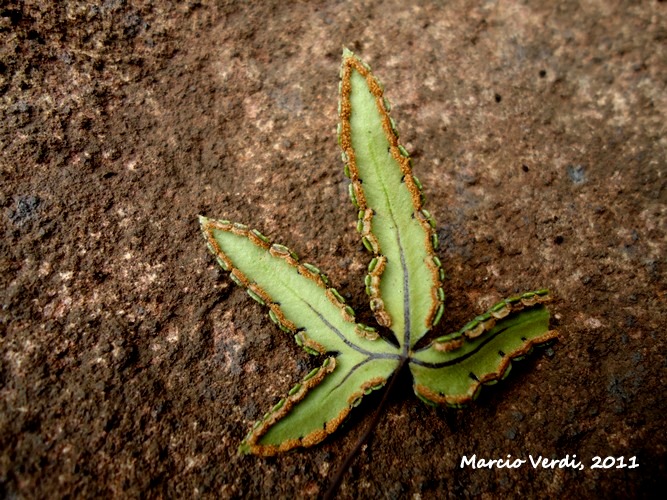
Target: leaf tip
x,y
205,225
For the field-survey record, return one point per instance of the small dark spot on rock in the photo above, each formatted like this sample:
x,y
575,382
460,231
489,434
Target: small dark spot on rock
x,y
518,416
543,73
559,239
469,179
616,389
33,35
586,280
99,276
652,268
133,25
576,173
26,209
498,97
14,15
525,168
510,434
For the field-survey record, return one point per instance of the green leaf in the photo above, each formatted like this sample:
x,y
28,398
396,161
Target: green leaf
x,y
301,303
455,377
404,283
297,295
314,411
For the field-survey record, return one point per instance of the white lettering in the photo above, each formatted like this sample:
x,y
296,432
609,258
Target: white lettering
x,y
499,463
485,463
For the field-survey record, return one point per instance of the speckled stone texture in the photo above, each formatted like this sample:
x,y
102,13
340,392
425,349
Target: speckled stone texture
x,y
132,367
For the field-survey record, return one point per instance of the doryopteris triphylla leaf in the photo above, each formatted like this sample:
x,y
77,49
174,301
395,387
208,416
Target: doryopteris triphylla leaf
x,y
404,283
404,277
301,303
453,368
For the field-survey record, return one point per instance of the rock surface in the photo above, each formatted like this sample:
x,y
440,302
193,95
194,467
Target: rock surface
x,y
132,367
